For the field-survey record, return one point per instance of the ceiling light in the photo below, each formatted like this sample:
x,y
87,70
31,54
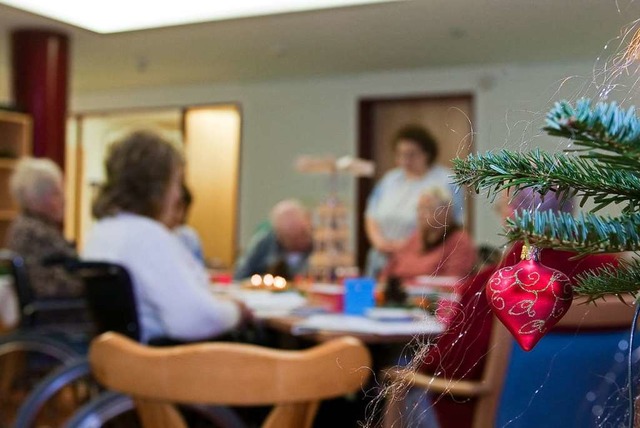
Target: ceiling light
x,y
115,16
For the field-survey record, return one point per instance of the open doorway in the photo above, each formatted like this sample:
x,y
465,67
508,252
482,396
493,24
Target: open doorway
x,y
448,118
212,152
210,139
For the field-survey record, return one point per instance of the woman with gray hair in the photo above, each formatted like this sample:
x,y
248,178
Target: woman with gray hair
x,y
439,247
36,233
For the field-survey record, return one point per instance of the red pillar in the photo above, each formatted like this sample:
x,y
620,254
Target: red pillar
x,y
39,60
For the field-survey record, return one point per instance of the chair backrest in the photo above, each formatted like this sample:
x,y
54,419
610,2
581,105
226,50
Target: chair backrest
x,y
464,372
14,264
229,374
461,350
610,313
110,297
493,377
477,350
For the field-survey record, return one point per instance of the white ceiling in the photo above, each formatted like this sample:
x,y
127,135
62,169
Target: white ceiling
x,y
398,35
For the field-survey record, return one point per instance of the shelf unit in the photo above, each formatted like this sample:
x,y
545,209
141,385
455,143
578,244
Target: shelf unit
x,y
15,142
331,257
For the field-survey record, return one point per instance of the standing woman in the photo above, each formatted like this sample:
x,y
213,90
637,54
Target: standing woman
x,y
142,188
390,217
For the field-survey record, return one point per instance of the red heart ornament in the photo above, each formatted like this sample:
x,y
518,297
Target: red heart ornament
x,y
529,298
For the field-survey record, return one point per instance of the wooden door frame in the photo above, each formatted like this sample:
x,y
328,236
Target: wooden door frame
x,y
80,116
365,150
238,178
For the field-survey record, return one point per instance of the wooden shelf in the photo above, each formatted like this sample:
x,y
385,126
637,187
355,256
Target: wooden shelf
x,y
15,142
7,215
15,117
8,163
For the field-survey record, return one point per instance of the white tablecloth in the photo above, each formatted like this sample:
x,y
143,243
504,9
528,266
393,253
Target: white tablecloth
x,y
361,324
263,303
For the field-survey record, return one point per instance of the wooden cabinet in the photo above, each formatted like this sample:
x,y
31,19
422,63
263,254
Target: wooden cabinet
x,y
15,142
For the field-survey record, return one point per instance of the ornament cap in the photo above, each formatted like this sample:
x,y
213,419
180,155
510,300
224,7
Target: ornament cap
x,y
530,253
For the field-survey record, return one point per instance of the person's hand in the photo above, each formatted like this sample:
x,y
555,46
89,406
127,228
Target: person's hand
x,y
246,315
397,245
389,247
382,245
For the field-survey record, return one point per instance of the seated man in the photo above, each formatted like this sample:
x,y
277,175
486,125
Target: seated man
x,y
281,249
36,233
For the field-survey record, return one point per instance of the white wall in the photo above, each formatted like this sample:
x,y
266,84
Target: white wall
x,y
319,116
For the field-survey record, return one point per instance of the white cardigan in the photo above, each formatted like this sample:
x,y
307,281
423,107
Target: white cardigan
x,y
171,286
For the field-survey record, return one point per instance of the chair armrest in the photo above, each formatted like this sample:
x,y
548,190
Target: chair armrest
x,y
460,387
613,312
54,305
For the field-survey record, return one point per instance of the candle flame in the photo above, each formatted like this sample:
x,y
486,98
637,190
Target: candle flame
x,y
279,282
268,280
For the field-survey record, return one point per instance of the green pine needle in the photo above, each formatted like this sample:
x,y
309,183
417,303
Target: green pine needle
x,y
605,126
544,172
602,165
586,234
607,280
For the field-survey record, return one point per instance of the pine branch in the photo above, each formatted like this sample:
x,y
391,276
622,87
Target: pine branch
x,y
605,127
623,279
604,165
568,175
586,234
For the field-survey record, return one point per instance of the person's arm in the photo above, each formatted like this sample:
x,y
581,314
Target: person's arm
x,y
409,261
375,236
35,243
191,239
372,227
460,255
458,204
253,260
186,308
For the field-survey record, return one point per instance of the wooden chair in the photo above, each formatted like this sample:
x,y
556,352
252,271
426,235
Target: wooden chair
x,y
609,313
229,374
486,390
471,359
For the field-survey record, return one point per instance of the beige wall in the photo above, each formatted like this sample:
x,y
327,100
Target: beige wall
x,y
318,116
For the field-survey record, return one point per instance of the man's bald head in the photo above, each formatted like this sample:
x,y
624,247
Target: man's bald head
x,y
292,225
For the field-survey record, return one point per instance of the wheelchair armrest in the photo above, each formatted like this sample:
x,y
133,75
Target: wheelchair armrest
x,y
56,305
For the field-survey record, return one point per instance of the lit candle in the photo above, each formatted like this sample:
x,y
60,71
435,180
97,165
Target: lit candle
x,y
268,280
256,280
279,282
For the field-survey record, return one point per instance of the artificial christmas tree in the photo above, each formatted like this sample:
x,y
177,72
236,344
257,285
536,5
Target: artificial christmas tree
x,y
603,165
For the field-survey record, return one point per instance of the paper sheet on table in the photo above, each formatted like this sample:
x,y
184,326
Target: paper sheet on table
x,y
264,303
356,324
